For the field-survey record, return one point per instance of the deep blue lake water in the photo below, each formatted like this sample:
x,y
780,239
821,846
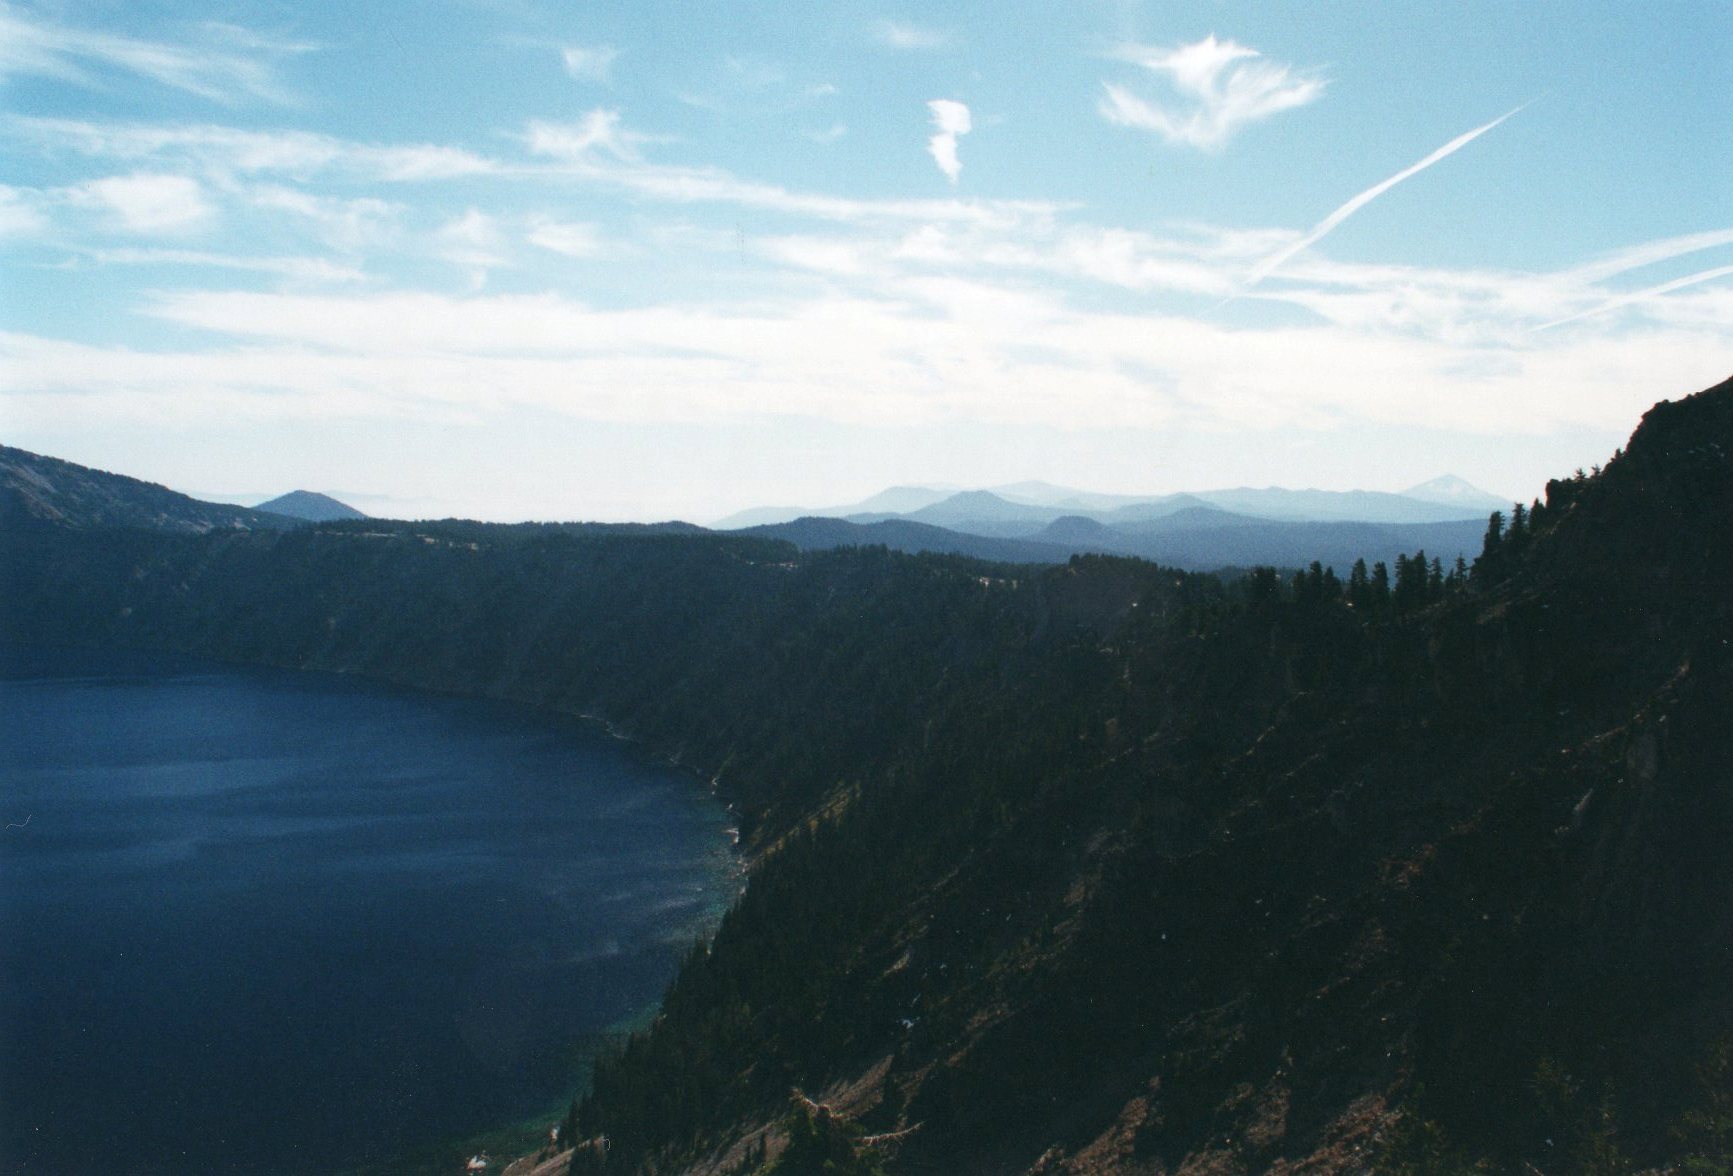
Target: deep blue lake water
x,y
285,922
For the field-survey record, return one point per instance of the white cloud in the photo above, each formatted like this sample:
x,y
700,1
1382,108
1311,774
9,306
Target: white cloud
x,y
227,148
1329,223
896,34
889,312
821,255
220,150
590,63
20,212
567,238
349,223
303,269
950,120
230,64
419,162
829,135
893,325
597,148
939,349
1221,86
473,240
598,132
145,202
1644,295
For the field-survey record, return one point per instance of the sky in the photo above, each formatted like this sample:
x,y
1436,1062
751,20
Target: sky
x,y
635,259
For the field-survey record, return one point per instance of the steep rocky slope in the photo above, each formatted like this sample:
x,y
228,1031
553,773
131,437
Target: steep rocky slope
x,y
37,489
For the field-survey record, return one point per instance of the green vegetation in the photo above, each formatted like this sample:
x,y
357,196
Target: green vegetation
x,y
1104,851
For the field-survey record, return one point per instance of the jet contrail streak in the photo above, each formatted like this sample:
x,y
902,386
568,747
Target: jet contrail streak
x,y
1325,226
1642,295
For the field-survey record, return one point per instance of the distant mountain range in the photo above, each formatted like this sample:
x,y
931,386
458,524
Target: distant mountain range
x,y
1019,509
310,506
894,501
1029,523
1036,522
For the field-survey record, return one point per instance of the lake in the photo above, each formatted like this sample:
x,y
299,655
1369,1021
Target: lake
x,y
280,922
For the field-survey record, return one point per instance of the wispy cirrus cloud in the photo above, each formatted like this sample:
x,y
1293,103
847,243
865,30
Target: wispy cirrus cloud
x,y
223,63
590,63
596,148
229,150
567,238
1217,88
880,248
599,148
348,223
931,349
1644,295
907,324
1328,225
950,121
300,269
899,34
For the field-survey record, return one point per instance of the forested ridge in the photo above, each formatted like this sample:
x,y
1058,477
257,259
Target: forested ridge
x,y
1106,867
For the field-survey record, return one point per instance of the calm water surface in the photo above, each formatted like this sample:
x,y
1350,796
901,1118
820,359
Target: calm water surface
x,y
284,922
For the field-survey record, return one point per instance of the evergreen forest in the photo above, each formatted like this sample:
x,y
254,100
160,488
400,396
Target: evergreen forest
x,y
1100,867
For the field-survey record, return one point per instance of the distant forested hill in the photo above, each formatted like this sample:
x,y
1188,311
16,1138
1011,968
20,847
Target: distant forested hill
x,y
1104,866
310,506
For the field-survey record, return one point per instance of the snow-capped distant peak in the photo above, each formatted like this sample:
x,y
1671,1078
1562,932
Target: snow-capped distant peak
x,y
1450,490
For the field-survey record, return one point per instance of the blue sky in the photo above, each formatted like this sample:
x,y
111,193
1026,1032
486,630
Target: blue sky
x,y
512,259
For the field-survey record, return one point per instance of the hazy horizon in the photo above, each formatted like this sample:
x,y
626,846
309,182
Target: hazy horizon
x,y
508,260
1003,489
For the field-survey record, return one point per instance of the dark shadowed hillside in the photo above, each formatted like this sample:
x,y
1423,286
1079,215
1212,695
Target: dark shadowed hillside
x,y
45,489
1196,538
822,534
1105,867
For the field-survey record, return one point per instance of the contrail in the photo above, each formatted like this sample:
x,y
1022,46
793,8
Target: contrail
x,y
1648,253
1325,226
1642,295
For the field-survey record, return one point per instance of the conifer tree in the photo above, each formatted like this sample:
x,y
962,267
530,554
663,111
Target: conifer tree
x,y
1489,567
1359,588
